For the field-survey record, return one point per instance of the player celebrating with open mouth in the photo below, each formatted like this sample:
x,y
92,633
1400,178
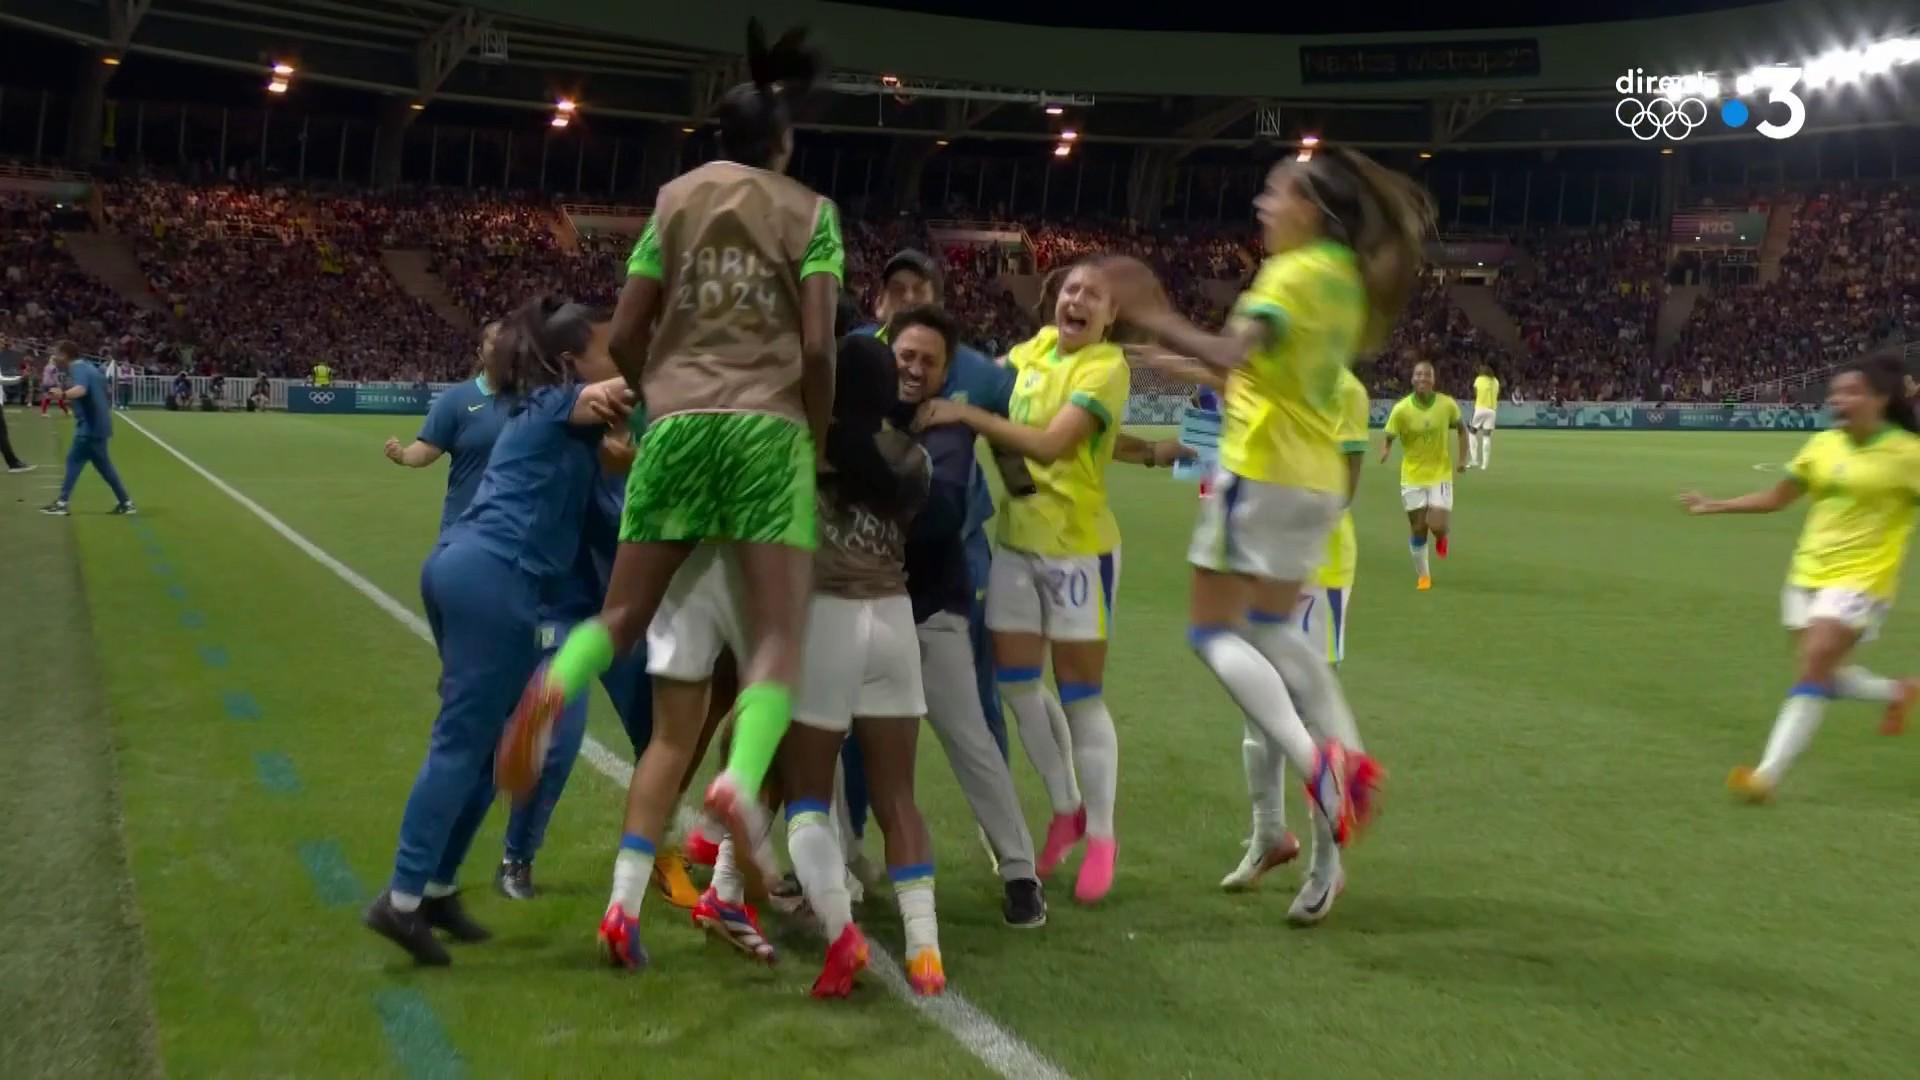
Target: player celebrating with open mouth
x,y
1864,477
1053,581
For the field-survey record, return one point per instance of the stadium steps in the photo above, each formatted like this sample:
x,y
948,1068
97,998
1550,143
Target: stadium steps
x,y
1779,235
410,269
1487,316
108,258
1675,311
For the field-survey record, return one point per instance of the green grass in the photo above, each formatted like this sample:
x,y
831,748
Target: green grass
x,y
1560,885
74,999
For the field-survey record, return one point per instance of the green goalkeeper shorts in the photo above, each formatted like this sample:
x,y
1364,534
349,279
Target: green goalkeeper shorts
x,y
744,478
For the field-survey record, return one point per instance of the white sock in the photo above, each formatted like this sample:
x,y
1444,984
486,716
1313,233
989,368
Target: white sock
x,y
1315,689
1259,691
1859,684
821,868
1325,860
1063,738
1792,730
403,901
437,890
631,869
728,884
1418,546
843,817
1029,706
1096,754
1473,449
1486,449
913,891
1265,786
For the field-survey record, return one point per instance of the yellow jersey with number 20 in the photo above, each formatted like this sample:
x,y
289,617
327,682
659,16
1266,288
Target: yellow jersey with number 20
x,y
1343,553
1426,438
1282,408
1863,509
1067,514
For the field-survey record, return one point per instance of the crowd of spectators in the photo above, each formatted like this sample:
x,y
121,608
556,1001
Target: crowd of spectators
x,y
1586,303
274,280
1849,279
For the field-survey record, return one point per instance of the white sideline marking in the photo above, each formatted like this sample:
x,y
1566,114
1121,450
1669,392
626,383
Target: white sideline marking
x,y
996,1047
1768,466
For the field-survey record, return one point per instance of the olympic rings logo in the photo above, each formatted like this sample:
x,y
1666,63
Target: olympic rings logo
x,y
1654,117
320,397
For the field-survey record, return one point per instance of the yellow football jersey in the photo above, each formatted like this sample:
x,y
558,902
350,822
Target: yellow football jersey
x,y
1863,508
1282,409
1486,392
1343,554
1426,438
1067,514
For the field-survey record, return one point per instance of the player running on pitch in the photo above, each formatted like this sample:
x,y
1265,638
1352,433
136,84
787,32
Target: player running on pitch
x,y
1864,476
1421,421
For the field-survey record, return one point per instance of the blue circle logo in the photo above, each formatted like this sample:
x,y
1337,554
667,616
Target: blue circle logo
x,y
1733,112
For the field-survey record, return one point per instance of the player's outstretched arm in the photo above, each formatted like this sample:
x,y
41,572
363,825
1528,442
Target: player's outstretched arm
x,y
1778,497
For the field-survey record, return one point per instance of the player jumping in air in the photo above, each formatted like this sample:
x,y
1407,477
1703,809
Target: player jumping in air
x,y
1344,243
1422,421
1864,478
725,326
1486,411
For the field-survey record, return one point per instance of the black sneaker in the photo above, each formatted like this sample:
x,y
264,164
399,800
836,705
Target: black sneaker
x,y
1026,906
125,509
57,508
407,929
449,914
514,880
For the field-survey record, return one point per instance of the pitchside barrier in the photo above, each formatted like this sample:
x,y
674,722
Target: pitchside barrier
x,y
151,391
1590,415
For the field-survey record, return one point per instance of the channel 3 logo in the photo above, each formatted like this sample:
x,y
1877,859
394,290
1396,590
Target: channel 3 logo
x,y
1652,106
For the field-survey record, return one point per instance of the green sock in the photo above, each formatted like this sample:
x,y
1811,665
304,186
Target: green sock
x,y
760,720
586,655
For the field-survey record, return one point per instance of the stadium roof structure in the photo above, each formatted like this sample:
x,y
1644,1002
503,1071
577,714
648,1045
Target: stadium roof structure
x,y
1186,82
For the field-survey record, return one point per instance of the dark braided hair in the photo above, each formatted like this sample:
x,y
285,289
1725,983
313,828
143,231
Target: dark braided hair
x,y
755,116
1885,371
866,389
534,341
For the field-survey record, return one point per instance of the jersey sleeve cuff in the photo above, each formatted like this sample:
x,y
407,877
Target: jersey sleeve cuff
x,y
822,266
1092,404
1354,446
1266,311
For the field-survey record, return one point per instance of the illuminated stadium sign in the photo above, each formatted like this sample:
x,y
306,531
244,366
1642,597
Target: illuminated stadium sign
x,y
1420,61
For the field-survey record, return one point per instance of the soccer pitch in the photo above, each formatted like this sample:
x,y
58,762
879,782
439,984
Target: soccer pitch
x,y
1559,885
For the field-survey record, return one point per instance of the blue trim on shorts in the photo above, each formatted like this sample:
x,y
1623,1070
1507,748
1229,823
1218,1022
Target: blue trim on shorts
x,y
1337,607
1106,589
1230,498
1267,618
